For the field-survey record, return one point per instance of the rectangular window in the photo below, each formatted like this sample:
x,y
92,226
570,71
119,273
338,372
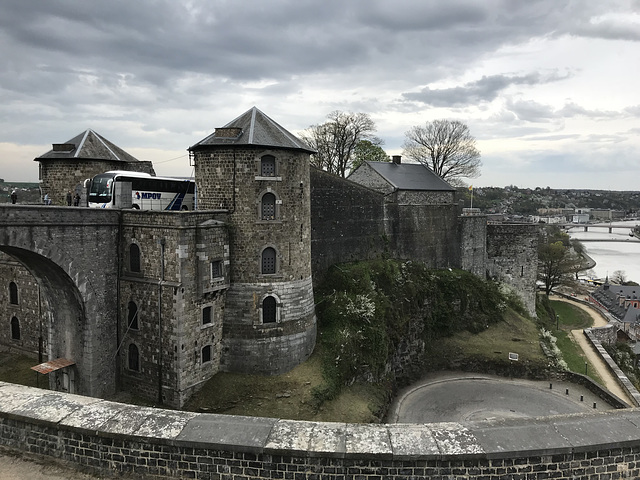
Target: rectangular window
x,y
216,269
207,315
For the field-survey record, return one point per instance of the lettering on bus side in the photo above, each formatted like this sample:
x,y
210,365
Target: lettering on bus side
x,y
152,196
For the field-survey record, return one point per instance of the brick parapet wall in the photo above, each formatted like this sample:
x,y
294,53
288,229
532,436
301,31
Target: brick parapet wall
x,y
112,440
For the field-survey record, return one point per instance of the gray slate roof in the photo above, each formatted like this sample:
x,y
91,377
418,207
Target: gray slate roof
x,y
253,128
88,145
410,176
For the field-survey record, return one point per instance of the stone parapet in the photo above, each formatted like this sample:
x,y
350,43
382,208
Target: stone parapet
x,y
113,439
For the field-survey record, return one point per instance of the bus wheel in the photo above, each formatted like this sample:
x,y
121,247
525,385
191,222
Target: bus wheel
x,y
184,208
135,206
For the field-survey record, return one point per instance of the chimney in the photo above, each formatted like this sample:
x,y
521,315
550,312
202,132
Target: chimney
x,y
397,159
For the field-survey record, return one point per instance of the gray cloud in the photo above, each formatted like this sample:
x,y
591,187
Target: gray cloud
x,y
487,89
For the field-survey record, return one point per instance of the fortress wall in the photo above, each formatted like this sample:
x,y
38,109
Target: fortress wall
x,y
111,439
424,233
512,258
474,244
347,222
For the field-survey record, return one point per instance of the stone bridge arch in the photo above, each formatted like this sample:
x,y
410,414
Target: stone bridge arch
x,y
73,253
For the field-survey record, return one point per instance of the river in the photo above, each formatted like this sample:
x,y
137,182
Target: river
x,y
611,251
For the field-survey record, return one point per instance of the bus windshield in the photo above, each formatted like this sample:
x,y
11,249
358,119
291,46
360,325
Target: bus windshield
x,y
101,188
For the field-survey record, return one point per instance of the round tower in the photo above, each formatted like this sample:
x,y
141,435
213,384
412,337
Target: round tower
x,y
259,173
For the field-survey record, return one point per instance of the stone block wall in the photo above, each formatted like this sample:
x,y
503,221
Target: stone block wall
x,y
57,177
512,258
474,244
252,346
113,440
31,314
425,233
172,297
347,222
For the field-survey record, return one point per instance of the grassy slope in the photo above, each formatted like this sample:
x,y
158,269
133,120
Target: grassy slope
x,y
573,318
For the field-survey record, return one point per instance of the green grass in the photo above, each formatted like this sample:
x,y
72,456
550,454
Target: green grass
x,y
573,318
15,368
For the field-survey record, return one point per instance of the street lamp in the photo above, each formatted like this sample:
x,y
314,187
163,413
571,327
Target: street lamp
x,y
557,322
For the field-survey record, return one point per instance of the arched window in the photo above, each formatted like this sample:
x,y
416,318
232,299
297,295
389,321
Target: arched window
x,y
206,354
13,293
268,260
268,206
134,358
268,166
15,329
269,310
132,316
134,258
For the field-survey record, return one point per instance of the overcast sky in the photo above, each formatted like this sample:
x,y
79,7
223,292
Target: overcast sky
x,y
550,89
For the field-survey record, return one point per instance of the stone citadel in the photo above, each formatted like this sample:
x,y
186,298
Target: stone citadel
x,y
157,302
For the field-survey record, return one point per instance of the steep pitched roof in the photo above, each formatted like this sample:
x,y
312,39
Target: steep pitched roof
x,y
410,176
88,145
253,128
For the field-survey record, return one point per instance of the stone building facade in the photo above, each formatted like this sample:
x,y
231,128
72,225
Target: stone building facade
x,y
67,166
228,287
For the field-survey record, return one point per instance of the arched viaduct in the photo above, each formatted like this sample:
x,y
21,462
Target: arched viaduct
x,y
73,255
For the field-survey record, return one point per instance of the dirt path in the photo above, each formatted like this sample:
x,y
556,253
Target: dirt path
x,y
15,467
590,353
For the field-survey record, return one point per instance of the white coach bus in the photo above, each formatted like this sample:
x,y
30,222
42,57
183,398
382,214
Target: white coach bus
x,y
147,192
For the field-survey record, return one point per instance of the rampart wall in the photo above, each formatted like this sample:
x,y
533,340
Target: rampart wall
x,y
347,222
112,439
512,253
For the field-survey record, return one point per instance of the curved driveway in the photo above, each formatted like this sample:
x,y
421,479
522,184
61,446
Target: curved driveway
x,y
460,397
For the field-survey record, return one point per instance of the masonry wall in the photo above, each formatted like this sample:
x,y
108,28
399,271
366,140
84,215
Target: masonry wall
x,y
473,241
171,291
347,222
31,315
512,258
425,233
112,440
57,177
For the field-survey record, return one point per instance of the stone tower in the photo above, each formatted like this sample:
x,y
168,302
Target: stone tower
x,y
259,173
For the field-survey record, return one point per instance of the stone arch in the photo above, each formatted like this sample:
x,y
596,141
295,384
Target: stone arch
x,y
63,307
73,256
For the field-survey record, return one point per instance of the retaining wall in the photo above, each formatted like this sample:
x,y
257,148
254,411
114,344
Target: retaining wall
x,y
114,439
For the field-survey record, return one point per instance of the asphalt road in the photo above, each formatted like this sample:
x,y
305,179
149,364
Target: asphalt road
x,y
459,397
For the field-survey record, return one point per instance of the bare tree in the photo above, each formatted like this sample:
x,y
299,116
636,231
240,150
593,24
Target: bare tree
x,y
445,146
619,277
335,140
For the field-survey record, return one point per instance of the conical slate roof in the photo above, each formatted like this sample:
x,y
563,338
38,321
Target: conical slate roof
x,y
88,145
253,128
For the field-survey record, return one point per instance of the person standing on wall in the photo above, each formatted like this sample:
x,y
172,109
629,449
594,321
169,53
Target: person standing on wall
x,y
14,197
69,198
